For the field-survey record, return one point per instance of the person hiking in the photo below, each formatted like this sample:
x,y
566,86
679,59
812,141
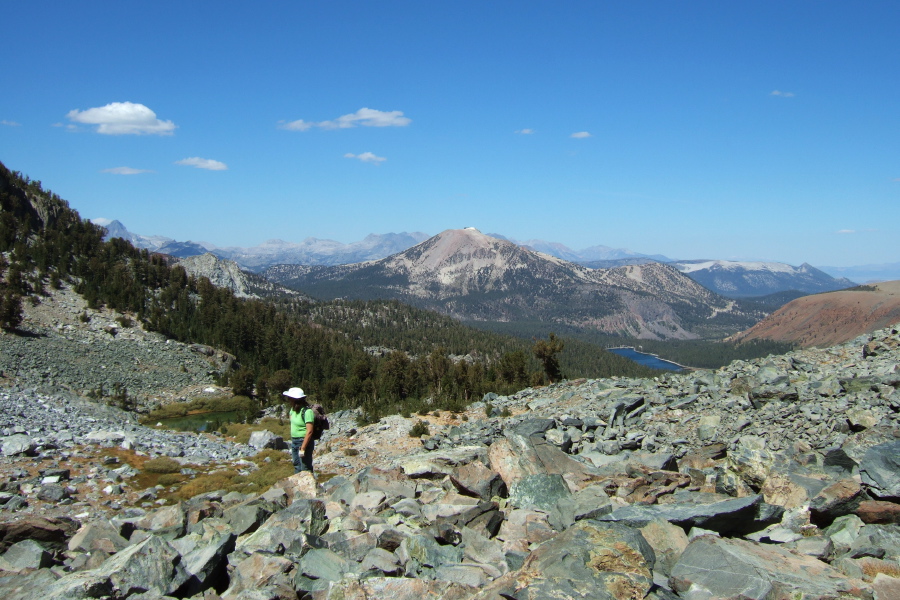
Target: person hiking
x,y
302,443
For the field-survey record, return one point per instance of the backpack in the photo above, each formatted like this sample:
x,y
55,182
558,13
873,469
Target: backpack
x,y
320,421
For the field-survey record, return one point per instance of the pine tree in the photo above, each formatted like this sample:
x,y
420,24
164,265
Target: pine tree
x,y
546,351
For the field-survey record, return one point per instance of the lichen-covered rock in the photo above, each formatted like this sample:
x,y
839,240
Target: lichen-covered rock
x,y
591,559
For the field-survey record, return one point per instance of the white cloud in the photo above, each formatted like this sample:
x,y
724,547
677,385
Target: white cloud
x,y
846,231
10,123
203,163
525,131
298,125
119,118
367,157
367,117
580,135
782,94
125,171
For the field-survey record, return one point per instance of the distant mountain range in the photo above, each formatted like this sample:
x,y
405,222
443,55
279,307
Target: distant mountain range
x,y
729,278
315,251
475,277
311,251
748,279
583,257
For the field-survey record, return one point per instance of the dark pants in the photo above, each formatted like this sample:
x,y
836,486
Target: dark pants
x,y
304,462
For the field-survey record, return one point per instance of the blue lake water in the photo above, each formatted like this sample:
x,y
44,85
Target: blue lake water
x,y
648,360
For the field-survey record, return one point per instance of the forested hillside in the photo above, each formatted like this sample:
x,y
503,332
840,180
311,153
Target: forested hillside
x,y
319,346
701,354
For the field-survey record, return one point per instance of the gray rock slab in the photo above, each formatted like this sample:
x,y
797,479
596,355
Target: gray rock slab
x,y
18,444
378,559
152,565
28,554
716,567
260,571
323,564
880,470
265,439
206,565
28,586
738,516
247,517
420,552
97,535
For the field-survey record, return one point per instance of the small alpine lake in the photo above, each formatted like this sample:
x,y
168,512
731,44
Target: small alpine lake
x,y
201,422
647,360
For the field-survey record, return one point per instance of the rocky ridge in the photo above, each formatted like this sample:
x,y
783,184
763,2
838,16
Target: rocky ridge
x,y
737,279
228,274
64,344
830,318
770,478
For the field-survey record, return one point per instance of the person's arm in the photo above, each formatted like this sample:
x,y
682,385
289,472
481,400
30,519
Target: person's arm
x,y
308,437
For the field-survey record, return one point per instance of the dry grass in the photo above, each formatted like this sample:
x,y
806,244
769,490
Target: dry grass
x,y
129,457
202,484
277,467
872,567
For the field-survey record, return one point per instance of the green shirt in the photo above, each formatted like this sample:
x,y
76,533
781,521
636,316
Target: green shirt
x,y
299,421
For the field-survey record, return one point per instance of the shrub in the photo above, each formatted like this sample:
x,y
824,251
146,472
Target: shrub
x,y
220,480
419,429
162,464
168,479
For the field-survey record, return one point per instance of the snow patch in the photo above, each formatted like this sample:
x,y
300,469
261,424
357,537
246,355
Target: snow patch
x,y
729,265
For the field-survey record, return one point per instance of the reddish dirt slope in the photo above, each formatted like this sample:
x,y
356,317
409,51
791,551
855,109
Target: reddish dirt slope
x,y
831,318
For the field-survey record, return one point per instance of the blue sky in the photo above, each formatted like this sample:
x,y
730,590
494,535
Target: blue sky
x,y
763,130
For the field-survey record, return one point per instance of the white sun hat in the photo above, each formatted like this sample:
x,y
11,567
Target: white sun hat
x,y
295,393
